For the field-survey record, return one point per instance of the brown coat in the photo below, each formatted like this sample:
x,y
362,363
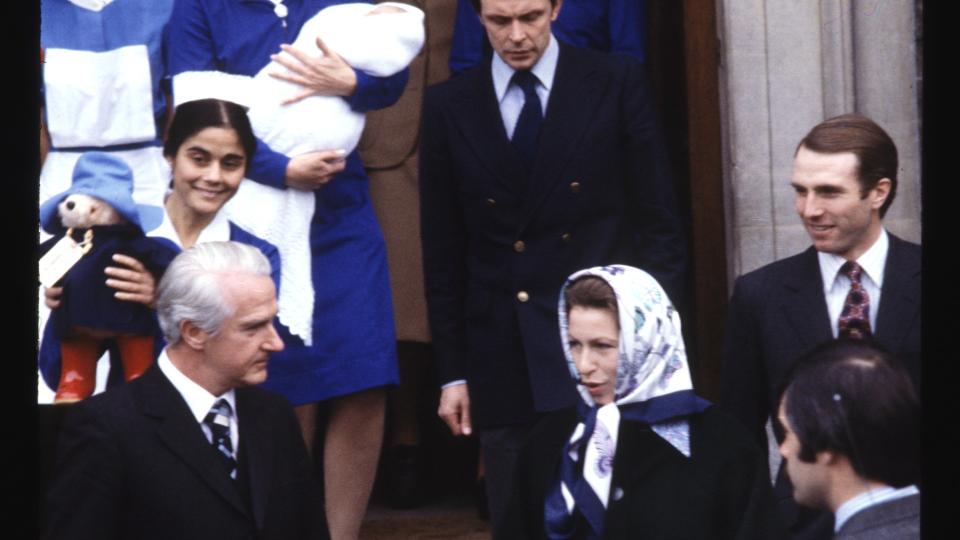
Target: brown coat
x,y
389,152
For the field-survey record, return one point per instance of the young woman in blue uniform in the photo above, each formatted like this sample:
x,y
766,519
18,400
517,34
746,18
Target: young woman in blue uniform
x,y
353,356
207,148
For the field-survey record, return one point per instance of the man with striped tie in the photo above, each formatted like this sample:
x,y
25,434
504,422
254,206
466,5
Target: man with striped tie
x,y
191,449
856,281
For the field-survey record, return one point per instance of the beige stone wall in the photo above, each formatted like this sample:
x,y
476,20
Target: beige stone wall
x,y
785,66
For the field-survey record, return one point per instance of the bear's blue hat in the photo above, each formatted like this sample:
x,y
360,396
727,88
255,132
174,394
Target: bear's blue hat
x,y
109,179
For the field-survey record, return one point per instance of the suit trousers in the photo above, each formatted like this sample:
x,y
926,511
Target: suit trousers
x,y
501,447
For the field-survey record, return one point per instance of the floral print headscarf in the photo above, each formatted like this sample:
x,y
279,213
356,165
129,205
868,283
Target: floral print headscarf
x,y
653,359
653,386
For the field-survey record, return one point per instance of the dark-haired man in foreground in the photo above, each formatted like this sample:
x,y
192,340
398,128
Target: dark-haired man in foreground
x,y
851,420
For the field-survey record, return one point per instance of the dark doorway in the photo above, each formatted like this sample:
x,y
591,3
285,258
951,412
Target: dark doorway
x,y
683,57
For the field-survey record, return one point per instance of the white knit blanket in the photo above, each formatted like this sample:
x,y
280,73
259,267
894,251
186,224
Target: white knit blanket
x,y
379,44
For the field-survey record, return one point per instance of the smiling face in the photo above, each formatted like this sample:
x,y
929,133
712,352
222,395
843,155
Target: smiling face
x,y
207,170
237,354
839,217
594,344
518,30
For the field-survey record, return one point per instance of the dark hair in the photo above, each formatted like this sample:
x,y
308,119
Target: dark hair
x,y
192,117
876,153
592,292
854,398
476,4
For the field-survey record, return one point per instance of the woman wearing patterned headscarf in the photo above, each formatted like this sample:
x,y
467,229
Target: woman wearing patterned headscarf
x,y
642,455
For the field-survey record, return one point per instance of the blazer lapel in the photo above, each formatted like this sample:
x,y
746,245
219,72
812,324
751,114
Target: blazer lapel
x,y
574,97
640,452
180,432
899,300
259,456
476,114
803,302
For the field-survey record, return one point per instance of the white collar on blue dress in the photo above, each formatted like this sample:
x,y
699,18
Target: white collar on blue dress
x,y
217,230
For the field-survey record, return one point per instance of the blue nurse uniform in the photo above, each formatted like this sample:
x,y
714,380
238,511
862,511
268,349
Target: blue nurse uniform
x,y
353,334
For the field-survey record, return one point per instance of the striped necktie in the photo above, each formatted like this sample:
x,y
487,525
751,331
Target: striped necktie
x,y
218,420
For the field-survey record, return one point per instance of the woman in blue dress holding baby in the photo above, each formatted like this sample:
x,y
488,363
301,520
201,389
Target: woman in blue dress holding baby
x,y
352,357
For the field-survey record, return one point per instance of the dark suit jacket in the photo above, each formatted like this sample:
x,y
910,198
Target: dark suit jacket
x,y
721,492
134,463
894,520
599,193
778,312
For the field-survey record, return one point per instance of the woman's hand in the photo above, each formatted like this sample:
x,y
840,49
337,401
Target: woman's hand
x,y
51,297
309,171
328,75
131,280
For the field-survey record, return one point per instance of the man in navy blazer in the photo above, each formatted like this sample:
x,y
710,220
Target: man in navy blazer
x,y
191,449
844,178
851,419
504,223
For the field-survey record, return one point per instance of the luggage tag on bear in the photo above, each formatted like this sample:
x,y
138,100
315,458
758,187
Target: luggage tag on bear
x,y
63,256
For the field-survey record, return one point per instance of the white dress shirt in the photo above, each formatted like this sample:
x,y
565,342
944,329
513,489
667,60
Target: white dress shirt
x,y
837,285
199,400
510,96
870,498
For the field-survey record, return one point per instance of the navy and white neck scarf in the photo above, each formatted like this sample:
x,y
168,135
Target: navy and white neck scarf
x,y
653,386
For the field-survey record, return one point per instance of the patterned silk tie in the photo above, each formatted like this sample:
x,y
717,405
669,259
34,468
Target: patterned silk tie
x,y
854,319
527,131
218,420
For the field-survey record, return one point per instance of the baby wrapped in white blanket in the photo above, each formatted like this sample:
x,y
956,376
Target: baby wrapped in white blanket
x,y
379,40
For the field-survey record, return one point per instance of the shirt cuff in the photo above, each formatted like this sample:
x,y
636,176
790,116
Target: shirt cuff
x,y
453,383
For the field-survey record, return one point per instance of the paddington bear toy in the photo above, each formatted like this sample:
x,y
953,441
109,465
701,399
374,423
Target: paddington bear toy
x,y
100,216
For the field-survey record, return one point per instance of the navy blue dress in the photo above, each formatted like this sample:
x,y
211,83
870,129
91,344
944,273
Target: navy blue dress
x,y
353,331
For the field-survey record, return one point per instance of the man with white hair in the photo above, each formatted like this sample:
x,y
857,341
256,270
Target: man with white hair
x,y
192,449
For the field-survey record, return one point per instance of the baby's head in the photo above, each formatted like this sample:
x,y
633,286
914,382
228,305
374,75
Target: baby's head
x,y
385,8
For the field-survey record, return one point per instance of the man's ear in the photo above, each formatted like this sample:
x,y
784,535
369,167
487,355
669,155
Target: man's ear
x,y
832,458
556,11
193,336
879,193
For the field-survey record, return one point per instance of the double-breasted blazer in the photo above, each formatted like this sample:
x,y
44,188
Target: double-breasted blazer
x,y
779,312
134,463
498,243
